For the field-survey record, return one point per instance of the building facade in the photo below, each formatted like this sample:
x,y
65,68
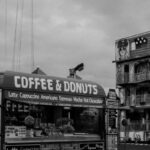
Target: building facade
x,y
132,59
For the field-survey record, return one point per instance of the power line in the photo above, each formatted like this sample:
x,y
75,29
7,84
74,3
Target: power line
x,y
32,36
20,43
3,22
15,37
5,49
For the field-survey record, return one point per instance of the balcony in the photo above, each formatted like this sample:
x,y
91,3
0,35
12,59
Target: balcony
x,y
135,126
143,99
124,78
148,125
143,76
128,103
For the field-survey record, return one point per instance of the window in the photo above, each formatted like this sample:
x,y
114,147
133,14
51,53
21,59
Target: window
x,y
133,47
45,120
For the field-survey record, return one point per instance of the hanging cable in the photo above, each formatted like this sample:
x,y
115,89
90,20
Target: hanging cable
x,y
15,37
5,49
3,24
20,36
0,2
32,35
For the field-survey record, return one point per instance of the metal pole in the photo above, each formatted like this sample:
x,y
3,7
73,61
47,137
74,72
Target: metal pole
x,y
2,120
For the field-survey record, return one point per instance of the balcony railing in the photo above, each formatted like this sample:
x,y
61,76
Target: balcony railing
x,y
136,126
139,100
123,78
148,125
128,101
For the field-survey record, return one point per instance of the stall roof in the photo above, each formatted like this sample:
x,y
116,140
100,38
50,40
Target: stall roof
x,y
50,84
66,90
38,71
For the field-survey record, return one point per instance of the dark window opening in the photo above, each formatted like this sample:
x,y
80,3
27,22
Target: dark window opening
x,y
126,73
52,120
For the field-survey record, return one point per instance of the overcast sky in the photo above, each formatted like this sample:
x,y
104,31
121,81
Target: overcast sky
x,y
69,32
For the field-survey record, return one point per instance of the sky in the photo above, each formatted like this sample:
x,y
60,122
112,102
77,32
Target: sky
x,y
66,33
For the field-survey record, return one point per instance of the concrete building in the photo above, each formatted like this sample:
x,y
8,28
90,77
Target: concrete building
x,y
132,59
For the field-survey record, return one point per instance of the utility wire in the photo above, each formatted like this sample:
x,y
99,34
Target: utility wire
x,y
2,47
0,2
15,37
32,35
5,31
20,42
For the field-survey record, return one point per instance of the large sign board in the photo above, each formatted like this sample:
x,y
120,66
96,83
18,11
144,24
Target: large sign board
x,y
48,84
112,100
112,118
41,89
122,49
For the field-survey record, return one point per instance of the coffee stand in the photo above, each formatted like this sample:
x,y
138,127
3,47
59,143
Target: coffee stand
x,y
40,112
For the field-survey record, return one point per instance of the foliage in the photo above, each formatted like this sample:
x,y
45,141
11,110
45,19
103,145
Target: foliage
x,y
29,121
65,125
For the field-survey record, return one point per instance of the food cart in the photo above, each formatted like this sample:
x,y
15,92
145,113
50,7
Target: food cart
x,y
40,112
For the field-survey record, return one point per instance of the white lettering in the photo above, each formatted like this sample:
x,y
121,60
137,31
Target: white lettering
x,y
20,107
43,84
66,99
29,96
17,84
24,82
31,83
95,92
12,95
78,88
90,88
66,86
58,85
50,84
72,87
85,89
37,83
49,97
78,100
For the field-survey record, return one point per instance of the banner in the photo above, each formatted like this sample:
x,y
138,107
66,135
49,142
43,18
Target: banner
x,y
53,99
